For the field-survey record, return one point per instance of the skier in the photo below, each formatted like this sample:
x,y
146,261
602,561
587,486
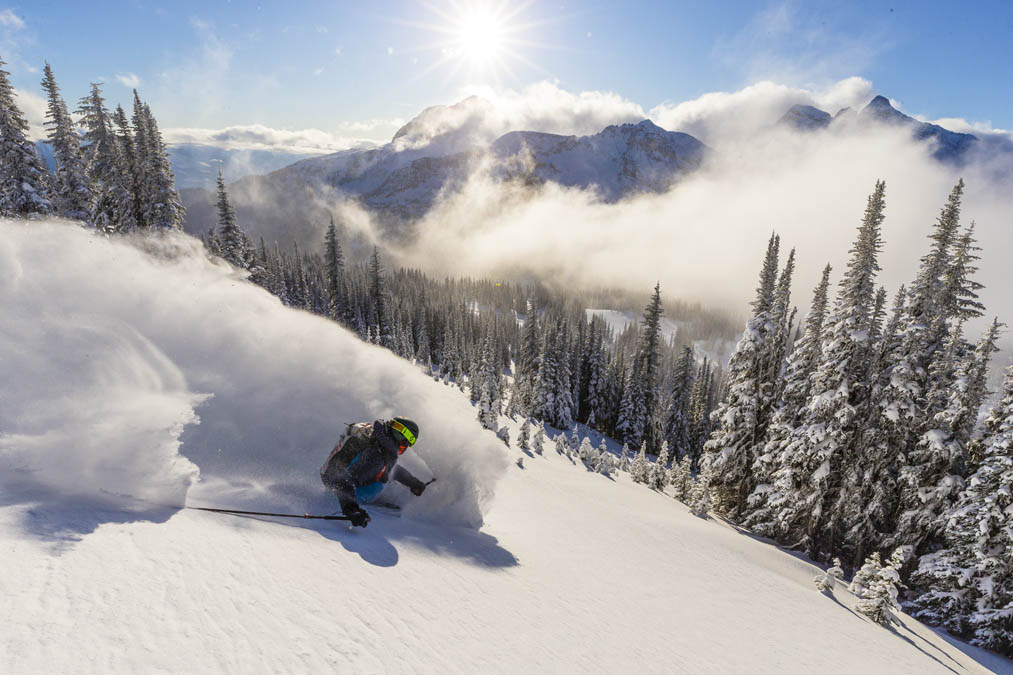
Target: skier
x,y
364,459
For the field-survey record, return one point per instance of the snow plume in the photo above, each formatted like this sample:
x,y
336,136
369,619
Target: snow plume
x,y
113,348
704,239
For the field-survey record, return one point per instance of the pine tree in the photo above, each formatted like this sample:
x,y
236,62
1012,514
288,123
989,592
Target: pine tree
x,y
624,457
23,188
640,469
677,423
487,384
828,438
700,502
562,445
379,317
163,208
825,581
777,460
539,438
235,245
523,436
879,597
71,193
734,444
337,302
967,586
865,576
109,169
658,475
681,479
586,452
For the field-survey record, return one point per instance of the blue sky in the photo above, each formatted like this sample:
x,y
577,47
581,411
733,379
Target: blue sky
x,y
338,65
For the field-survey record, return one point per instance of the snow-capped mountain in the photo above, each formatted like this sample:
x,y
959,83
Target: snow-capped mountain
x,y
805,118
428,156
948,146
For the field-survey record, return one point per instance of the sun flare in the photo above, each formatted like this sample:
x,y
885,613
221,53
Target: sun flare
x,y
481,35
482,39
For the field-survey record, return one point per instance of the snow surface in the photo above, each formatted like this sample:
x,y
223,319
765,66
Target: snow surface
x,y
570,571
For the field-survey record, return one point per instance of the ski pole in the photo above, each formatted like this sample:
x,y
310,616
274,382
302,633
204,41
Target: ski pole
x,y
236,512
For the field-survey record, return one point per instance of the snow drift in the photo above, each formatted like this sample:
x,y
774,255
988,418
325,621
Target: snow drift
x,y
130,366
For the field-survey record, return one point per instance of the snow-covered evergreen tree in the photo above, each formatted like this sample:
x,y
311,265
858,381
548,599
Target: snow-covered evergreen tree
x,y
967,586
23,178
825,581
70,192
866,575
163,208
640,468
586,452
624,457
504,435
562,445
113,207
735,441
524,436
658,473
829,438
487,382
777,460
337,300
681,479
677,422
235,245
879,597
537,442
700,501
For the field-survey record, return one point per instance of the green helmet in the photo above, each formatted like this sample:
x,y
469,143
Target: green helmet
x,y
406,428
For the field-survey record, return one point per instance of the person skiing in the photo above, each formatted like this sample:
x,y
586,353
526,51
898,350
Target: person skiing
x,y
364,459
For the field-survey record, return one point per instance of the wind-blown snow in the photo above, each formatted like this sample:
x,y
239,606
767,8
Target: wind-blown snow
x,y
110,350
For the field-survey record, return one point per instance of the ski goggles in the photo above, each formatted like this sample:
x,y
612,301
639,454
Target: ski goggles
x,y
404,431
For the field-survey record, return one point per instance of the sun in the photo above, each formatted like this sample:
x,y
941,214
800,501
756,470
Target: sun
x,y
482,40
481,36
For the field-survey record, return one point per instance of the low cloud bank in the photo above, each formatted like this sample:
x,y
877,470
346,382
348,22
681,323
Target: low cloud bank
x,y
113,349
705,238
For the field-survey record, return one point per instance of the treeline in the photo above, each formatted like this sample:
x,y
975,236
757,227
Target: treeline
x,y
519,349
115,176
862,437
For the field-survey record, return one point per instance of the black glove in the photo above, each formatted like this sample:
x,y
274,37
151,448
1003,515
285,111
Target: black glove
x,y
357,517
418,489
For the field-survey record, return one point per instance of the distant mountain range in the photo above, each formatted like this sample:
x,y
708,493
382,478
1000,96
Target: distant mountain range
x,y
441,148
949,146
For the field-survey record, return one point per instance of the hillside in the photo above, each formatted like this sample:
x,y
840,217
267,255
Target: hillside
x,y
496,568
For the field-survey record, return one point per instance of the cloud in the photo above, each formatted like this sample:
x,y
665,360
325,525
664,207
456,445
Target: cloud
x,y
8,19
730,117
130,80
34,108
318,71
390,51
786,42
337,51
187,338
487,113
260,137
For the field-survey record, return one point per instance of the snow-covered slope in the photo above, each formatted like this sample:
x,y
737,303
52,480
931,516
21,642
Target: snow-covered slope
x,y
106,353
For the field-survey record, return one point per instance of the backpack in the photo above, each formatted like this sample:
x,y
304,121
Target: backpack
x,y
344,452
